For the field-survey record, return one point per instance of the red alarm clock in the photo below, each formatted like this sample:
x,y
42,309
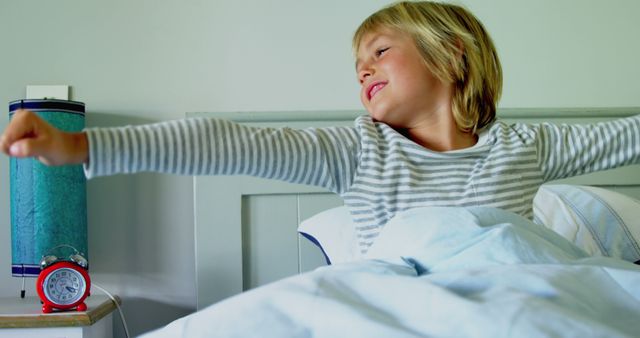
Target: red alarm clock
x,y
63,284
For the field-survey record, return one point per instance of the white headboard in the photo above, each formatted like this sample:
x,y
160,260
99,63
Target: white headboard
x,y
245,227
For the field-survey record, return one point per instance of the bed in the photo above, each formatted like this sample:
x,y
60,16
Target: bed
x,y
246,239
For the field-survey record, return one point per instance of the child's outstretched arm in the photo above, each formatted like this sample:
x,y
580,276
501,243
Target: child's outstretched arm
x,y
27,135
325,157
571,150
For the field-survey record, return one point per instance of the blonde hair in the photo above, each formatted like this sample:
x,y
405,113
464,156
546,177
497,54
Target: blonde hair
x,y
457,49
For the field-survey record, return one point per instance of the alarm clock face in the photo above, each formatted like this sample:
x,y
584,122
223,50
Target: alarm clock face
x,y
64,286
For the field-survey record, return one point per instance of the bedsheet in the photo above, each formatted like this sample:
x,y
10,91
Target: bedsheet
x,y
441,272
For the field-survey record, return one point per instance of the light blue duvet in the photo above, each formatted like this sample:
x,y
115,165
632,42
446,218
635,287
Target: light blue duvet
x,y
441,272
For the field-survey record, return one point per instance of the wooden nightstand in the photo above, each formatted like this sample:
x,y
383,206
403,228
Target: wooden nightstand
x,y
23,318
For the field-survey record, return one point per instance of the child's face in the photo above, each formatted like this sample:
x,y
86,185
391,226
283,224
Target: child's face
x,y
397,86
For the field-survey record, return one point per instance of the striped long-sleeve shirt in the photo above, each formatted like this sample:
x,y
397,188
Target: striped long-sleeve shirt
x,y
376,170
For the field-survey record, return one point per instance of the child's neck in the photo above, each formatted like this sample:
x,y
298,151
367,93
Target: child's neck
x,y
441,137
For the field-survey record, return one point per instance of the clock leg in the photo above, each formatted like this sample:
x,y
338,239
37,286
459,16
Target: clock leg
x,y
82,307
47,309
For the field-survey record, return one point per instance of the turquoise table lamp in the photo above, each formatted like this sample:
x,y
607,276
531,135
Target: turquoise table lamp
x,y
48,204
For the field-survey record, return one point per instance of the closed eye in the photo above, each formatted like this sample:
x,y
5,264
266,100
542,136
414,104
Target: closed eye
x,y
381,51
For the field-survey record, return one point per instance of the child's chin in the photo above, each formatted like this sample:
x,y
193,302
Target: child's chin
x,y
377,116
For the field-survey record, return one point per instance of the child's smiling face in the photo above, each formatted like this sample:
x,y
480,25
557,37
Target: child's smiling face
x,y
397,86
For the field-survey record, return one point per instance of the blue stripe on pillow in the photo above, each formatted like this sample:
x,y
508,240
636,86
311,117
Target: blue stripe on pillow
x,y
317,243
605,225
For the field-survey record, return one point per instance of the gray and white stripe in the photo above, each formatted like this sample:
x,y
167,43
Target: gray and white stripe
x,y
199,146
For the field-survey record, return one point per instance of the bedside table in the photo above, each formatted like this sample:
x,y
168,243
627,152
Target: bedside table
x,y
24,318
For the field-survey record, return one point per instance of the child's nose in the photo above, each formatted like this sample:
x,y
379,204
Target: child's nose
x,y
363,74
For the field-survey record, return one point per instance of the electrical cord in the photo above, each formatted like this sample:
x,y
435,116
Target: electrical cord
x,y
115,301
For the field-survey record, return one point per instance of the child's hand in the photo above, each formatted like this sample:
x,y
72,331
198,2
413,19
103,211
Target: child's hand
x,y
27,135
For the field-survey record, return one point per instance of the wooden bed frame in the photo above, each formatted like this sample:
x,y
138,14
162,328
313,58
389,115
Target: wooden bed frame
x,y
245,227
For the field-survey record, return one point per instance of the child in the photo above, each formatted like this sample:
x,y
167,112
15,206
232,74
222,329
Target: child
x,y
430,79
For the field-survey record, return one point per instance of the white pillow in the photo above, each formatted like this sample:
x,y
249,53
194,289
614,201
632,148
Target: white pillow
x,y
333,232
599,221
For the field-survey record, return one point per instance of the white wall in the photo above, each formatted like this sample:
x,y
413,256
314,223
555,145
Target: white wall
x,y
142,61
